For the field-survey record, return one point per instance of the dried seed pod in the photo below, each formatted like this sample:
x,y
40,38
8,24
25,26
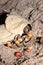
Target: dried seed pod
x,y
16,37
23,37
20,39
26,39
27,28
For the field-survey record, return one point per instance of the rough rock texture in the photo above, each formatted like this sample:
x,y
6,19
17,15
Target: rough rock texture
x,y
32,10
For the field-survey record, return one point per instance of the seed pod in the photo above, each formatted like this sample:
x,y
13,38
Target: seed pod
x,y
16,37
23,37
17,54
27,28
20,39
26,39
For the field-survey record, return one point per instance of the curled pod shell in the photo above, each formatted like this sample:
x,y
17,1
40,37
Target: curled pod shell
x,y
14,25
27,28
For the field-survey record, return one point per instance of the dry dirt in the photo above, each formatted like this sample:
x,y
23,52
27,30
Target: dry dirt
x,y
32,10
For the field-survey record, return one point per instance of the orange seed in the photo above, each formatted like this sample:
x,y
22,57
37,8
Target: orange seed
x,y
17,42
29,35
9,44
28,50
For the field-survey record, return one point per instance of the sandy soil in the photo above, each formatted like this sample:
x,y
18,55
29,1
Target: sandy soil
x,y
32,10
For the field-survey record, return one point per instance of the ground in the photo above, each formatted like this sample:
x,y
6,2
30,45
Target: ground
x,y
32,10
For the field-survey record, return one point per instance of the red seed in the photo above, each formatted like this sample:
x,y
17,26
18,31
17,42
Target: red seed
x,y
17,54
28,50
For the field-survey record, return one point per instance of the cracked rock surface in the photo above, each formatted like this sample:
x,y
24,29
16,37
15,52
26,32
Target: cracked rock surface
x,y
31,10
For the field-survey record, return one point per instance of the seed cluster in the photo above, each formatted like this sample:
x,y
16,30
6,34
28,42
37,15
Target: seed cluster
x,y
21,40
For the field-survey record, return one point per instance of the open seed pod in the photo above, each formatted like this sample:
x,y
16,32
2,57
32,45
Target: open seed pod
x,y
14,25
